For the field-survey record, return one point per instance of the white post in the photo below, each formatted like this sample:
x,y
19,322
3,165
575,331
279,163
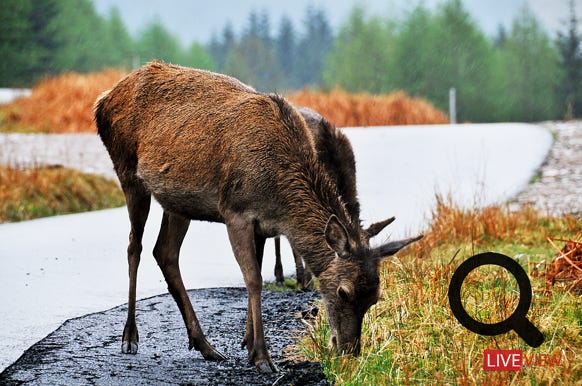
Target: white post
x,y
453,106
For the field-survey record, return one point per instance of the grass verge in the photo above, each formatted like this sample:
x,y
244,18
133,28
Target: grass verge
x,y
48,191
411,336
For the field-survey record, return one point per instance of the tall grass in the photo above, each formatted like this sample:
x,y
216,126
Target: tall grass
x,y
59,105
64,105
411,337
343,109
47,191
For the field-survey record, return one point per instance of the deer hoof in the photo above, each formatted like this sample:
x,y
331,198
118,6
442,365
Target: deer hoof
x,y
214,355
207,350
210,353
129,347
266,366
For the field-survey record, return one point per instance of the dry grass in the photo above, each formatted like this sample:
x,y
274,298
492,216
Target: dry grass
x,y
411,336
451,224
565,270
47,191
64,105
344,110
59,105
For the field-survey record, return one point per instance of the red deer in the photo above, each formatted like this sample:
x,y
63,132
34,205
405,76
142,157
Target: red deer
x,y
335,152
210,148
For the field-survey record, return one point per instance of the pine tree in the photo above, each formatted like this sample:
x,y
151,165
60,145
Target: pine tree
x,y
156,42
313,48
220,48
285,47
530,63
120,48
360,57
571,61
253,59
17,47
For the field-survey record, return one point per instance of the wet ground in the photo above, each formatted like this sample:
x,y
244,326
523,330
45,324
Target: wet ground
x,y
87,350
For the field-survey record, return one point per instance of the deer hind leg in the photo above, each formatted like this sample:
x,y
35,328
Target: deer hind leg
x,y
279,278
241,233
166,253
248,337
308,283
304,276
138,205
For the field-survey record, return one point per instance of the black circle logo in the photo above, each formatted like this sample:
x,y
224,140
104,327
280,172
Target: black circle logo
x,y
517,321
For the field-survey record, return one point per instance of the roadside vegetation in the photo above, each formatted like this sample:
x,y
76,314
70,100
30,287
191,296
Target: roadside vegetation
x,y
49,191
62,104
67,101
411,336
362,109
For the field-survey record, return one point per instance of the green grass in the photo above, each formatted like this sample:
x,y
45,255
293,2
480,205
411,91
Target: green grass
x,y
411,336
49,191
290,284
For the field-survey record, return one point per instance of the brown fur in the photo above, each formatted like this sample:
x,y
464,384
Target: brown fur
x,y
208,147
334,152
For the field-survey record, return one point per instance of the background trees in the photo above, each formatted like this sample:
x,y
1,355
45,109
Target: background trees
x,y
360,57
530,71
570,87
521,74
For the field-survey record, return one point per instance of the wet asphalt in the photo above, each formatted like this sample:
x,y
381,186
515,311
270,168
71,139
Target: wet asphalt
x,y
87,350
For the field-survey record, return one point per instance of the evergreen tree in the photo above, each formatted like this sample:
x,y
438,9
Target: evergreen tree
x,y
501,37
198,57
531,66
360,57
120,50
17,46
313,48
220,48
155,42
78,33
415,53
43,12
459,56
286,51
571,62
253,59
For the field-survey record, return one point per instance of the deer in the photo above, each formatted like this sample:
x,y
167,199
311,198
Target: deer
x,y
208,147
335,152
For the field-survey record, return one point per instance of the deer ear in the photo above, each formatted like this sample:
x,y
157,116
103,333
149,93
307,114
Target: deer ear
x,y
337,237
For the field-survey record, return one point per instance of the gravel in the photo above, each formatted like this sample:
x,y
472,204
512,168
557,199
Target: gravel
x,y
558,188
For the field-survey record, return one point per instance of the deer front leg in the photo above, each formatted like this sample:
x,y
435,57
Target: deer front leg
x,y
241,233
167,252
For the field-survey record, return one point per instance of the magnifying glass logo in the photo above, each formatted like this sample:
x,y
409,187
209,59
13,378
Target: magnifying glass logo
x,y
517,321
